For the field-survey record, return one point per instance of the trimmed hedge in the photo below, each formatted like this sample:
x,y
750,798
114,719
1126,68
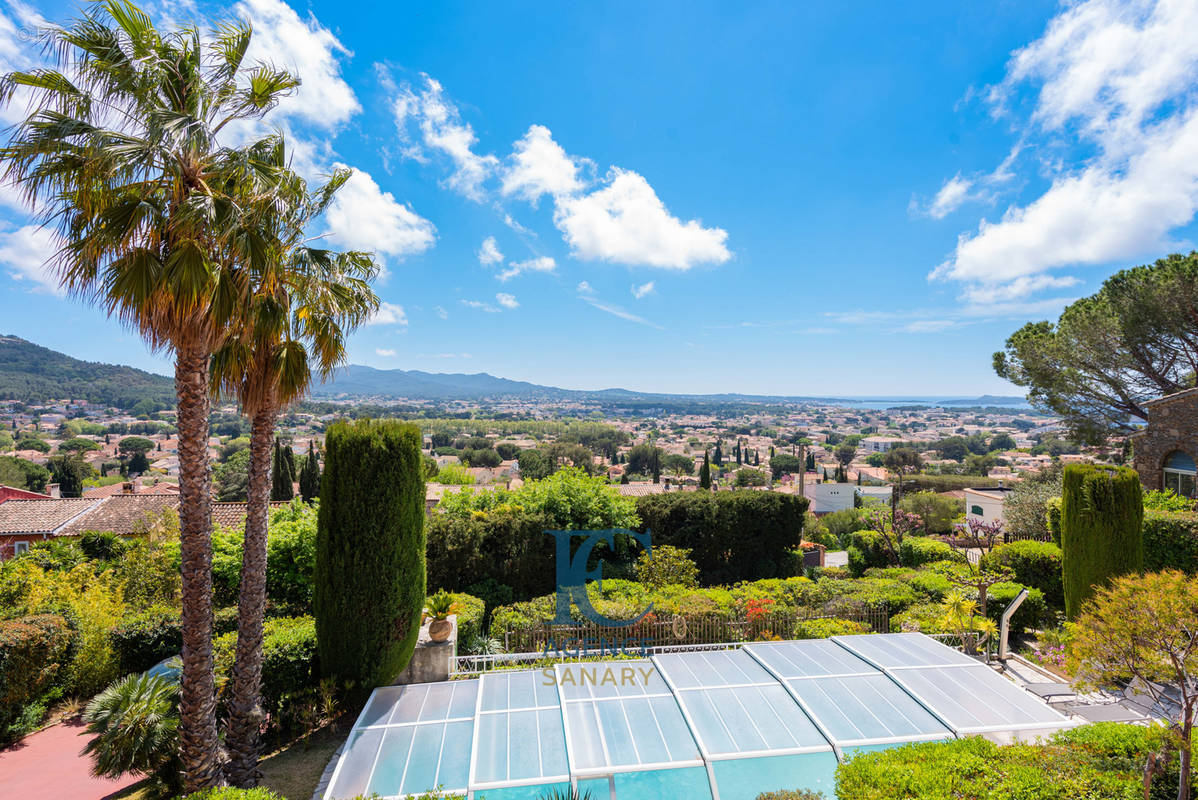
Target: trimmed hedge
x,y
142,640
733,536
918,550
32,650
1102,517
1171,541
370,570
471,612
1035,564
1093,762
289,659
505,549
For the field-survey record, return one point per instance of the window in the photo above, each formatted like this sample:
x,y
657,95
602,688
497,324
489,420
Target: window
x,y
20,548
1179,474
977,511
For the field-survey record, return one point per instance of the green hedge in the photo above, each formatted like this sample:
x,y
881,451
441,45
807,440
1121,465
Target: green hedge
x,y
1032,614
732,535
1036,564
506,549
471,612
1171,541
147,637
289,659
32,651
370,547
1092,762
918,550
1102,517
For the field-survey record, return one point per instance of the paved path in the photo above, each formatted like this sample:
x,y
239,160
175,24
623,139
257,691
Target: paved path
x,y
50,764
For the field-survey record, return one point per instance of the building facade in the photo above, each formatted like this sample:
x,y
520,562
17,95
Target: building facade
x,y
1166,450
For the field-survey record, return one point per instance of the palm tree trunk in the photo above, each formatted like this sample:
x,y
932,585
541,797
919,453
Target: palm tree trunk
x,y
198,742
245,709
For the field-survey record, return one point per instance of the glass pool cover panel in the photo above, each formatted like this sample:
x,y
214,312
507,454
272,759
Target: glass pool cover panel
x,y
903,651
733,722
520,736
409,740
976,699
851,700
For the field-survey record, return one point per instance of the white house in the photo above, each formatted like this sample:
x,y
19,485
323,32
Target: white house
x,y
829,497
880,444
985,504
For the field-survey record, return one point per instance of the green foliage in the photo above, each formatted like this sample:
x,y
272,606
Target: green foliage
x,y
289,660
69,472
947,483
32,652
826,628
135,444
230,793
482,457
1167,500
732,536
291,557
507,450
1032,613
28,441
918,550
230,478
370,551
506,547
1101,529
143,639
1052,519
23,474
936,511
471,612
34,374
748,476
1171,541
1094,762
1036,564
569,499
667,566
136,726
454,475
102,545
78,445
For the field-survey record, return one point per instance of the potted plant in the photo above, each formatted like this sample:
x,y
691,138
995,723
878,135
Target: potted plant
x,y
439,607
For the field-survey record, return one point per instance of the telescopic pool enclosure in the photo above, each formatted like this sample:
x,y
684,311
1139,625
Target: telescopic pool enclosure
x,y
721,724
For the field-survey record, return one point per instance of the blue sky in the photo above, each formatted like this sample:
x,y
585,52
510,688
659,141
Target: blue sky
x,y
800,198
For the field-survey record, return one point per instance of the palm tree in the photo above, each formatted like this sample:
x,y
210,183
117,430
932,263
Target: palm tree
x,y
119,154
136,722
304,301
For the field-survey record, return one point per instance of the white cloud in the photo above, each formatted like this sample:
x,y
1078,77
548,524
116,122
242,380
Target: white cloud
x,y
585,288
489,253
930,325
952,195
540,264
444,355
389,314
644,289
441,312
440,127
626,223
26,252
503,299
364,217
587,295
1117,80
538,166
506,300
308,49
481,306
385,352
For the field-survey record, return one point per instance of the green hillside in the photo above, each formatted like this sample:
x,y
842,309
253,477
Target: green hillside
x,y
34,374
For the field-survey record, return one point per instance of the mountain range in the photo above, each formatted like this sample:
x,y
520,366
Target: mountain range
x,y
32,374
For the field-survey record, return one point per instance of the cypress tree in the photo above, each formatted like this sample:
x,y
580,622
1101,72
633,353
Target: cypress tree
x,y
757,458
717,457
370,545
281,487
811,462
736,451
289,457
309,479
1102,513
705,473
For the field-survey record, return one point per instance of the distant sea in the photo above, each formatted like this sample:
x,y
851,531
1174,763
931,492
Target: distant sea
x,y
877,403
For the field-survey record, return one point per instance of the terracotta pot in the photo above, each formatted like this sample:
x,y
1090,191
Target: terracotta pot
x,y
439,630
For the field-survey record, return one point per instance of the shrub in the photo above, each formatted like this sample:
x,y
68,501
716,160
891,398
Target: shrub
x,y
471,613
1052,519
102,545
824,628
504,548
1166,500
145,638
289,660
1035,564
918,550
732,536
32,652
229,793
936,511
291,557
136,725
1104,761
1101,529
1171,541
791,794
370,570
1032,614
454,475
667,566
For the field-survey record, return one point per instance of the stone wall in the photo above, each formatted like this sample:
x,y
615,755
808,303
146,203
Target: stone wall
x,y
1172,425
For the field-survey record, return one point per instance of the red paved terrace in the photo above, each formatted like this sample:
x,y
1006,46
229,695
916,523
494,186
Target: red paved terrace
x,y
50,763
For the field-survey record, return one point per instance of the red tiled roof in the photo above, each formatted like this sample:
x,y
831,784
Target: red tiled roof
x,y
229,515
40,516
122,514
